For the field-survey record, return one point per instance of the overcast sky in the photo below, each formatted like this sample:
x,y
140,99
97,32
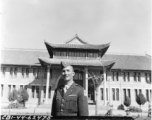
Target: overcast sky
x,y
124,23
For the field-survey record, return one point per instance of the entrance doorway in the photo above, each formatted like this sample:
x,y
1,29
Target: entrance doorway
x,y
90,91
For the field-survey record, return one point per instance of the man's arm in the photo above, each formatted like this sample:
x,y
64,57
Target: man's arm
x,y
82,104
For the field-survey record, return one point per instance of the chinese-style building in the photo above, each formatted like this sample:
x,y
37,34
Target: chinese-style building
x,y
39,72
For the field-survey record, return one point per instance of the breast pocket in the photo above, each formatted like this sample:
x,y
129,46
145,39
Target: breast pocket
x,y
72,103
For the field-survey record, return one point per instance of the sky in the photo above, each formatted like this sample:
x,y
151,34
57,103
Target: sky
x,y
126,24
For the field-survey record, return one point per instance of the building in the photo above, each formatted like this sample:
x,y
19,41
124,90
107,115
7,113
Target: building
x,y
39,71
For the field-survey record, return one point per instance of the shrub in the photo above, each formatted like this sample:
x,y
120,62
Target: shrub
x,y
140,99
134,109
127,101
21,96
121,107
12,96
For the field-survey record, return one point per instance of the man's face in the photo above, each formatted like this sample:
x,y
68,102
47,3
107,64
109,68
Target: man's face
x,y
68,73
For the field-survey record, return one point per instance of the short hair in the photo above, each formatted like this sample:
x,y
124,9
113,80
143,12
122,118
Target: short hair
x,y
66,64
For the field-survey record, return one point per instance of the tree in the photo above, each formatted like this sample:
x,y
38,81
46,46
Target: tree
x,y
140,99
12,96
127,101
97,80
18,97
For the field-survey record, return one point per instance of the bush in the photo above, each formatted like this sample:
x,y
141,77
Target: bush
x,y
12,96
140,99
134,109
127,101
13,105
121,107
21,96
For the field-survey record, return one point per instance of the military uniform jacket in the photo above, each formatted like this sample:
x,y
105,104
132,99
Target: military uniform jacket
x,y
71,103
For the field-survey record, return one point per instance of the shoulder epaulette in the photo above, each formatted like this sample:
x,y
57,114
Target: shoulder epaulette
x,y
78,85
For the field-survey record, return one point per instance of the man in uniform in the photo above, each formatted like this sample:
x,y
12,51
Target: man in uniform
x,y
69,99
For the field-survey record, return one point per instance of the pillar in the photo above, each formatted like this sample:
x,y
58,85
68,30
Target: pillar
x,y
109,90
104,76
47,84
86,81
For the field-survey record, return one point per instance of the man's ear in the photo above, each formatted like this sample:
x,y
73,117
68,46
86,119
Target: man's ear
x,y
73,73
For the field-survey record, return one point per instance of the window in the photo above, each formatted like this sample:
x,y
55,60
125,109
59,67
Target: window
x,y
90,54
39,73
107,93
126,76
117,94
9,89
140,91
27,72
3,70
33,91
11,71
2,90
15,72
72,54
23,72
101,93
21,86
124,91
113,93
37,91
112,73
148,77
44,88
129,93
136,93
137,77
82,54
147,94
115,76
77,54
63,53
14,87
78,77
35,72
95,55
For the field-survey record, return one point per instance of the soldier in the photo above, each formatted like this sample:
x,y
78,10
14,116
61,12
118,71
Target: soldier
x,y
69,99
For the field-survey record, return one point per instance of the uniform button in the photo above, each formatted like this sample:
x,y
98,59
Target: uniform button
x,y
62,99
61,110
61,104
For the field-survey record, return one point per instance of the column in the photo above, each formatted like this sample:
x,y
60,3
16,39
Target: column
x,y
109,90
86,81
47,84
104,76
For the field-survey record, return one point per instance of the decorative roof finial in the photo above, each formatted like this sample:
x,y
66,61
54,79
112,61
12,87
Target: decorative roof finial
x,y
76,35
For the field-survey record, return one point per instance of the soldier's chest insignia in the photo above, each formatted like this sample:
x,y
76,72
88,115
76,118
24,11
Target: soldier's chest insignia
x,y
73,95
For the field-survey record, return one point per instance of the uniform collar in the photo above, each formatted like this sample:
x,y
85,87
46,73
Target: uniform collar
x,y
69,84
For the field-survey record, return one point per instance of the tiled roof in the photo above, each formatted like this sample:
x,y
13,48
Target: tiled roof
x,y
95,62
30,57
78,46
76,37
129,62
22,56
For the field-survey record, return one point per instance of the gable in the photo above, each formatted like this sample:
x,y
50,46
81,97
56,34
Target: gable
x,y
75,41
